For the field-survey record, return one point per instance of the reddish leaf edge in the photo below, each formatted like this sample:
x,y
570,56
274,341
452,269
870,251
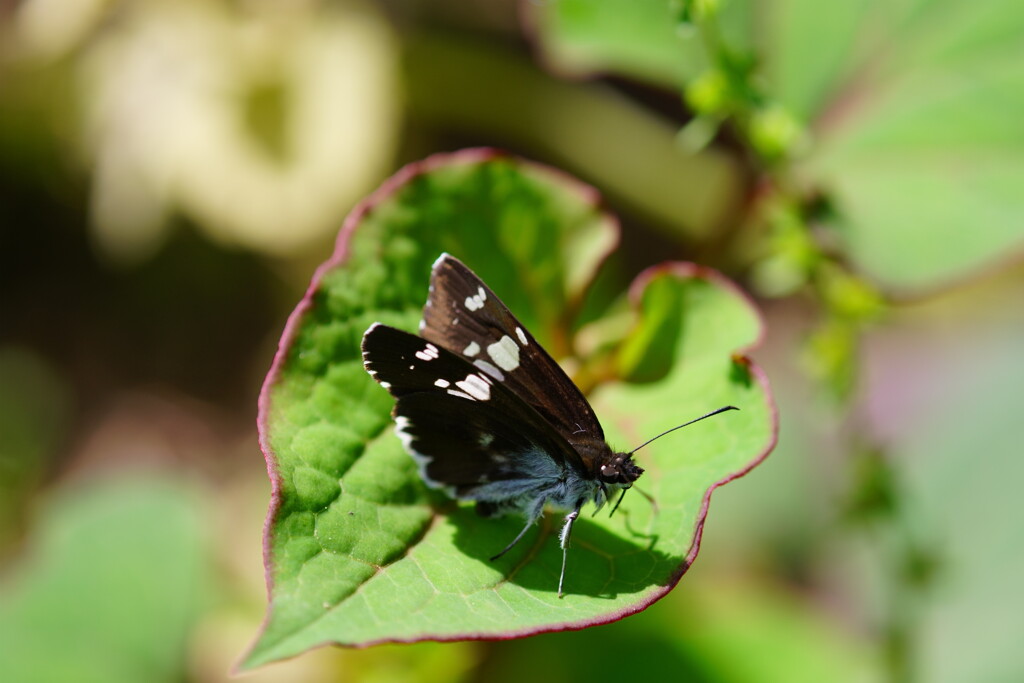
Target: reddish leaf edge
x,y
531,26
391,186
686,269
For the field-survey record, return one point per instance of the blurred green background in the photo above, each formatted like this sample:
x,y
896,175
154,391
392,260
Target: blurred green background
x,y
172,171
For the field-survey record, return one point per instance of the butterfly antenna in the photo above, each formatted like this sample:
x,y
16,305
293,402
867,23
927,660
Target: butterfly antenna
x,y
685,424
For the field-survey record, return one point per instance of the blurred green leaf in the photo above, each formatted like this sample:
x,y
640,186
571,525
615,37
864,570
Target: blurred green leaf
x,y
656,41
923,150
694,635
643,38
915,108
359,550
782,637
110,586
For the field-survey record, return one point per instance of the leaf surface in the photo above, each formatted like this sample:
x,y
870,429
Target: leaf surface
x,y
359,551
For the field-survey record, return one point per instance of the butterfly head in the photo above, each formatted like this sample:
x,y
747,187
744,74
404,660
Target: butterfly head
x,y
619,470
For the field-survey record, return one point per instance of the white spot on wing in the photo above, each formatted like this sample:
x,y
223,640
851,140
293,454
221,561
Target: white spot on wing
x,y
386,385
472,349
504,353
475,386
490,370
453,392
442,383
429,353
476,302
522,336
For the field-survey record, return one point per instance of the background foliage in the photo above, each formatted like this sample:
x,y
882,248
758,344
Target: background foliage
x,y
172,172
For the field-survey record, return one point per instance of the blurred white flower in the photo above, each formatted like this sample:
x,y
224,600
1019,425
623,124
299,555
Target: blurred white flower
x,y
169,89
48,29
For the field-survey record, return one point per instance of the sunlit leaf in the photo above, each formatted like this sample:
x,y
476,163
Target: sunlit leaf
x,y
359,550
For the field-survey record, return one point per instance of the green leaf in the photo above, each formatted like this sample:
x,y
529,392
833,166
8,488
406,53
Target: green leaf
x,y
923,151
694,635
359,550
713,324
648,40
642,38
915,107
109,589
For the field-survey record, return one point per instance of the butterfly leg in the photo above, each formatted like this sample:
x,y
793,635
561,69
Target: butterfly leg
x,y
621,496
535,511
570,519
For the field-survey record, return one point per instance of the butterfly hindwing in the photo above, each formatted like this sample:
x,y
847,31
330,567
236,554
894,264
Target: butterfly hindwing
x,y
462,425
463,315
474,450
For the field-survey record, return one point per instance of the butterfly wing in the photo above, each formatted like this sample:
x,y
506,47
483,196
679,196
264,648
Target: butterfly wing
x,y
463,315
467,431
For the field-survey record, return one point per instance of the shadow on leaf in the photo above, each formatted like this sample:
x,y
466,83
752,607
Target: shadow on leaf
x,y
601,563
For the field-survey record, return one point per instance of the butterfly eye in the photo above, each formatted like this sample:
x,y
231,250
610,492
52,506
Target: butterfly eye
x,y
610,474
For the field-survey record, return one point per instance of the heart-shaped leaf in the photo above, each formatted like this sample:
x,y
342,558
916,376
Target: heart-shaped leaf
x,y
358,549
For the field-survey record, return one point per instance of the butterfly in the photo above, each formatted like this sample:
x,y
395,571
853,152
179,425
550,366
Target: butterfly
x,y
489,415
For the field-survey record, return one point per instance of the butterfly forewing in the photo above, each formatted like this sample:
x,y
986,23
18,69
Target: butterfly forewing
x,y
463,315
462,425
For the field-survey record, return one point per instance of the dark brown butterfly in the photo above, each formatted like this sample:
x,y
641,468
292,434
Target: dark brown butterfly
x,y
489,415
